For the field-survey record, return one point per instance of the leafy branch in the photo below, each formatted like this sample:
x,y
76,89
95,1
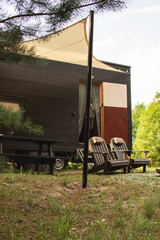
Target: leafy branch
x,y
14,121
111,5
27,19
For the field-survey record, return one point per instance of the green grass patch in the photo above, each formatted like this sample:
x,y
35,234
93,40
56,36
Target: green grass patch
x,y
116,206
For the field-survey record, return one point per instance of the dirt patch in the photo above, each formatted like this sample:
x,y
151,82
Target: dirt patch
x,y
73,186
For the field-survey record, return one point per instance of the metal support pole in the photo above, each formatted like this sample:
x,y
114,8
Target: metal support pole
x,y
87,113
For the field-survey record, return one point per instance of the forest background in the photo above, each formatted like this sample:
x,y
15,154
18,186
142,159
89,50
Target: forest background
x,y
146,129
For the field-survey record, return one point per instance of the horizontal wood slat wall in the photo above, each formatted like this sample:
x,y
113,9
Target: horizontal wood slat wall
x,y
50,94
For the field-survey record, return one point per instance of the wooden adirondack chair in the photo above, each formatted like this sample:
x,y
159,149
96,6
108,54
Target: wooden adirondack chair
x,y
120,149
102,158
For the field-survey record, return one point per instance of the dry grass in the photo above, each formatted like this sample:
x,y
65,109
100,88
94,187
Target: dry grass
x,y
116,206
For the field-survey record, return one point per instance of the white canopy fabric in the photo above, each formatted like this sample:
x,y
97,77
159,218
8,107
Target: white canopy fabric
x,y
68,45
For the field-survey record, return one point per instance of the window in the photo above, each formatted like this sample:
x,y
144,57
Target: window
x,y
14,103
14,106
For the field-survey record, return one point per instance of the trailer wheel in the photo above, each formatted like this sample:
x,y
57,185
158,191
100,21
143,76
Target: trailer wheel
x,y
59,164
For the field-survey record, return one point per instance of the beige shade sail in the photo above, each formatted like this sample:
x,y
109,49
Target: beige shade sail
x,y
68,45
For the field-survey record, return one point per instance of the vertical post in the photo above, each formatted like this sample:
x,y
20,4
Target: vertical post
x,y
1,146
88,99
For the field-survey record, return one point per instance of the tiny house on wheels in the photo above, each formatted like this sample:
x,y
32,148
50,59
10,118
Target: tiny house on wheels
x,y
53,94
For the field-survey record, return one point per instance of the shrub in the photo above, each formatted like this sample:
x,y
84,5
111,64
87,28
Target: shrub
x,y
14,121
2,163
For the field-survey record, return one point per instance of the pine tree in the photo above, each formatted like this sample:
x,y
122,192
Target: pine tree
x,y
25,19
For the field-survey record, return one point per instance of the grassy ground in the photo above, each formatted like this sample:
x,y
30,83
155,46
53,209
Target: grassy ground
x,y
117,206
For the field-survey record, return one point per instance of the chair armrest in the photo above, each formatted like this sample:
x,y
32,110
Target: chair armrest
x,y
129,151
141,151
120,150
99,152
144,151
123,151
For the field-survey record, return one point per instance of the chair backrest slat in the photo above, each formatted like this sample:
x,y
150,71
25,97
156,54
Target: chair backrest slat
x,y
98,146
118,144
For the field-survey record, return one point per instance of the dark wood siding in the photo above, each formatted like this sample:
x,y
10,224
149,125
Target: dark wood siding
x,y
50,94
118,66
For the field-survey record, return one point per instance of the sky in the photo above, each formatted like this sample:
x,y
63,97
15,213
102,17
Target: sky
x,y
132,37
